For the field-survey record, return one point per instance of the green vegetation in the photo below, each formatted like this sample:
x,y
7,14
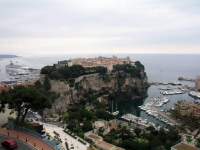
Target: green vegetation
x,y
198,142
134,71
78,120
71,134
22,99
25,124
143,140
99,69
66,73
44,89
128,94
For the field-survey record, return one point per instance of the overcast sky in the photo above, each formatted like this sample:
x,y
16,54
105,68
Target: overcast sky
x,y
99,26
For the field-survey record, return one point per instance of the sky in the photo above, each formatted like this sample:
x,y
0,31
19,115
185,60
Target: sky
x,y
40,27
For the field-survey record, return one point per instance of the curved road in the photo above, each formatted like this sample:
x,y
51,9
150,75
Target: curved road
x,y
21,145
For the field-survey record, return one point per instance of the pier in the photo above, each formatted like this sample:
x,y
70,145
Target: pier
x,y
161,115
165,116
165,83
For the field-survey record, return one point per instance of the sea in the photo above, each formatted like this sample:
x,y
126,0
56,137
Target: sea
x,y
158,67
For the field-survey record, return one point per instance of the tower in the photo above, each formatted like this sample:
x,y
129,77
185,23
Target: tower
x,y
197,83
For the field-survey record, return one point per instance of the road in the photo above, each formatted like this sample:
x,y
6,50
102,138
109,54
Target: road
x,y
21,145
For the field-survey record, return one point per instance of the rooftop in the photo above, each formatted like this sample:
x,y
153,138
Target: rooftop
x,y
93,136
105,145
183,146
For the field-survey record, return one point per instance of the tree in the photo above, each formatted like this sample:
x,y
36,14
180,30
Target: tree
x,y
38,84
155,142
150,128
137,131
87,126
65,116
55,75
161,135
16,99
3,101
47,84
22,99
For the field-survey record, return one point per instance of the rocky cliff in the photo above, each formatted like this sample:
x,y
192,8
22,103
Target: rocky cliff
x,y
118,81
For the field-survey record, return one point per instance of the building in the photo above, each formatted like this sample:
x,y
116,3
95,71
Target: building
x,y
186,109
101,61
99,143
197,83
182,107
69,63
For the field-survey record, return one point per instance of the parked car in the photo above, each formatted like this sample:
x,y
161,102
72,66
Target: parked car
x,y
9,144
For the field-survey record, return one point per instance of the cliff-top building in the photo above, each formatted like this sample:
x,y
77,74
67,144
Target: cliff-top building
x,y
100,61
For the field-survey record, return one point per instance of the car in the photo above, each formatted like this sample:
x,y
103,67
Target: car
x,y
9,144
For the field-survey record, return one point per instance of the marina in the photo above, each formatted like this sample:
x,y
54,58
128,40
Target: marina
x,y
194,94
154,108
150,109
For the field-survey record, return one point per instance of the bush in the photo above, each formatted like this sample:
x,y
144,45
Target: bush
x,y
71,134
81,141
66,144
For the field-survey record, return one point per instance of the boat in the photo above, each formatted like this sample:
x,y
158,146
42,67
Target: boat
x,y
115,113
13,67
176,83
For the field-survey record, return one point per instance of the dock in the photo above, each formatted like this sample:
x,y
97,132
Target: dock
x,y
161,115
165,116
165,83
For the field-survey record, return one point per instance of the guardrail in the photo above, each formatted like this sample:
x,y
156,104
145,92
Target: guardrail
x,y
50,143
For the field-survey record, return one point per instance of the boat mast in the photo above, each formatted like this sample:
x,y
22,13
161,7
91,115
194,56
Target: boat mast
x,y
112,106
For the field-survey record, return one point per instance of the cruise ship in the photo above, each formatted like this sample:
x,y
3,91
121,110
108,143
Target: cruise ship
x,y
13,67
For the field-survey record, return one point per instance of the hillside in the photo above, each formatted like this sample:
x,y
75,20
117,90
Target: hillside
x,y
8,56
125,82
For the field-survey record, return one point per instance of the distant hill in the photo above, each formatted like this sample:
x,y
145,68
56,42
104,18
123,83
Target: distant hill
x,y
8,56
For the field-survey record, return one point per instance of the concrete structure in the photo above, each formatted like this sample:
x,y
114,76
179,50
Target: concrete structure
x,y
99,124
99,143
183,146
4,115
197,83
72,142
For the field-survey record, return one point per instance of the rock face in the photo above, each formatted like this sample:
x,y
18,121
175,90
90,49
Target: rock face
x,y
95,82
110,81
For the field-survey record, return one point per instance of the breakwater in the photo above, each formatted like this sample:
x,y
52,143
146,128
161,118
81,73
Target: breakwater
x,y
186,79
